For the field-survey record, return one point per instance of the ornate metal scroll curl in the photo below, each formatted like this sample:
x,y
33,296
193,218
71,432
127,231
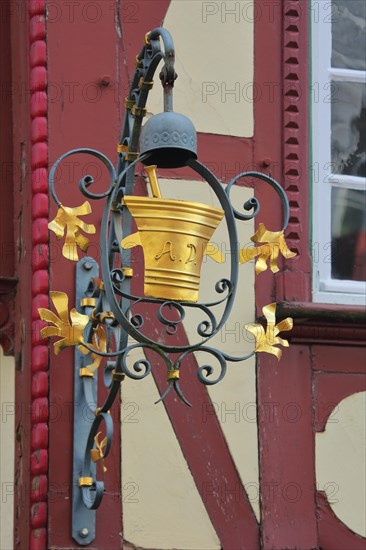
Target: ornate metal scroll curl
x,y
110,312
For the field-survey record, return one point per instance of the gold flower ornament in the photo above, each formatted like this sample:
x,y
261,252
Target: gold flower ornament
x,y
266,341
273,244
68,221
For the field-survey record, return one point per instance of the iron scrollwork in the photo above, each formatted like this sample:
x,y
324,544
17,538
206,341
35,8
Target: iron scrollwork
x,y
114,313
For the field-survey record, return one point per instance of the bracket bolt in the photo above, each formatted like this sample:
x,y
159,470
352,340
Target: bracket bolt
x,y
266,162
105,81
84,532
87,266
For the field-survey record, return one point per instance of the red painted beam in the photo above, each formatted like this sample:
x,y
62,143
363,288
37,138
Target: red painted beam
x,y
7,177
17,204
6,147
267,130
285,389
287,453
135,20
83,43
333,534
337,359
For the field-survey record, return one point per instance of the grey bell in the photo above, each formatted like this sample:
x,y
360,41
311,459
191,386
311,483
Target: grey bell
x,y
170,138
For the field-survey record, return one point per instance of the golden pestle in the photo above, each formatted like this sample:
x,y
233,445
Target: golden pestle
x,y
154,184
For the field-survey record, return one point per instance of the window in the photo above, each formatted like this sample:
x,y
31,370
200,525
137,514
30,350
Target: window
x,y
339,150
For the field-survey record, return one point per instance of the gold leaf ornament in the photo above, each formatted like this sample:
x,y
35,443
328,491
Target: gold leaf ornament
x,y
267,340
67,220
99,343
70,331
274,244
98,453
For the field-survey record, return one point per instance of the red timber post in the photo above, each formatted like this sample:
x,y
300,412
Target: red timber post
x,y
85,104
286,439
28,54
27,29
7,264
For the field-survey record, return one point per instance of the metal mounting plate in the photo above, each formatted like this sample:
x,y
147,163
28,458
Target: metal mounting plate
x,y
83,519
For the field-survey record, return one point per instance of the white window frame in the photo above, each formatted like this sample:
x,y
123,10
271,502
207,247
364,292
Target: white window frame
x,y
325,289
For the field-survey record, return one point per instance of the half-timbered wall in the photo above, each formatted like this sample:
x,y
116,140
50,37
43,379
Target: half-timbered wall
x,y
272,457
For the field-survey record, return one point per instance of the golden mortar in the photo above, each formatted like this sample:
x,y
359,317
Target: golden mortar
x,y
174,235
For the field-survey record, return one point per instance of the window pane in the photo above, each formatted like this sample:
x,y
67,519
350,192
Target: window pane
x,y
348,128
349,34
348,234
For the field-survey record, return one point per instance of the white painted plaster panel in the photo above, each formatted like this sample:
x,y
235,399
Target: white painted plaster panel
x,y
161,505
7,402
340,462
215,65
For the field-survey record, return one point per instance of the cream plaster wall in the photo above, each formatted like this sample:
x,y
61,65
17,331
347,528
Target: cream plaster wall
x,y
215,65
7,402
152,461
340,462
161,505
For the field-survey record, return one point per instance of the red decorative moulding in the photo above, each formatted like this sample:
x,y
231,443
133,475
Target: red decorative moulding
x,y
40,356
40,384
40,282
38,79
39,129
39,437
38,104
37,28
39,462
40,231
39,155
37,326
41,300
40,205
38,539
40,180
38,514
39,488
40,264
38,53
40,410
40,256
37,7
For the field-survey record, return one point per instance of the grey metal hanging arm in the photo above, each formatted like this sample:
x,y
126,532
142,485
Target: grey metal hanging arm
x,y
142,81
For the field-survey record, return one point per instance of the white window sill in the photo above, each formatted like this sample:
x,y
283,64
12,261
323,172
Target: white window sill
x,y
341,297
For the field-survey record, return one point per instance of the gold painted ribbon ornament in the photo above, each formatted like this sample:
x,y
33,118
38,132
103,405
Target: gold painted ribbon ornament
x,y
267,340
99,344
274,244
67,220
98,453
71,331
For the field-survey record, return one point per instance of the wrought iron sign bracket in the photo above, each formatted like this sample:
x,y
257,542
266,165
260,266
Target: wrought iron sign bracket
x,y
174,236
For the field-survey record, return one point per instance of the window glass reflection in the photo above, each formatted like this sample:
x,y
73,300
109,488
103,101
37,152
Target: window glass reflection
x,y
349,34
349,128
348,234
